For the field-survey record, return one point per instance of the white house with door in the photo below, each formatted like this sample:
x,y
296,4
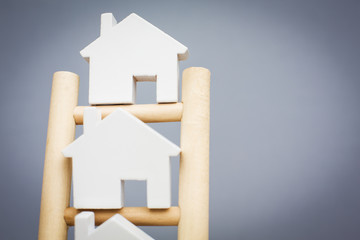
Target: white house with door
x,y
117,148
131,51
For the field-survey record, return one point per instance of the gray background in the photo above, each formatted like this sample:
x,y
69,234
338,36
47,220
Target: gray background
x,y
284,109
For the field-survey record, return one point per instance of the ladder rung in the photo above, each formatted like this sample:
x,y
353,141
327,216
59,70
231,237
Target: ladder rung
x,y
168,112
141,216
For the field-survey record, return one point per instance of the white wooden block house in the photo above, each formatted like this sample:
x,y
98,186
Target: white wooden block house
x,y
115,228
130,51
118,148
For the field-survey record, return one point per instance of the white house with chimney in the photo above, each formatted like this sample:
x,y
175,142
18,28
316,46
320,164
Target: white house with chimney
x,y
131,51
117,148
115,228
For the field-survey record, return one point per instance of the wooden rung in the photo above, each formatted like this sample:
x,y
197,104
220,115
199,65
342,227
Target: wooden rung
x,y
141,216
169,112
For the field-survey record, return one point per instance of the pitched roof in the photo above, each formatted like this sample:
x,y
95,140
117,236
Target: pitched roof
x,y
117,227
135,25
125,125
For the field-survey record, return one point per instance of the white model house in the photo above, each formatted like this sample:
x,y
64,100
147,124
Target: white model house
x,y
118,148
115,228
130,51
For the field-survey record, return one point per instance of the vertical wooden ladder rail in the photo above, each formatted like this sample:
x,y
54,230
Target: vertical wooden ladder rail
x,y
55,196
194,158
192,215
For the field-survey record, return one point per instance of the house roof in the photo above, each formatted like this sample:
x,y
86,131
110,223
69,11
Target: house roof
x,y
126,126
134,25
117,226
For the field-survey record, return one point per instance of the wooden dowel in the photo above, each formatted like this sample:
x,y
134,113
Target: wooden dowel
x,y
170,112
141,216
56,187
194,158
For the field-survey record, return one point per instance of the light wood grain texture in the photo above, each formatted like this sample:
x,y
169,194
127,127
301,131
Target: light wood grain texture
x,y
194,158
141,216
145,112
57,169
194,164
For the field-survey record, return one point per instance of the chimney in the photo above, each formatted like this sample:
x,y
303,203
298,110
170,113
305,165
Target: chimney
x,y
85,222
92,116
107,22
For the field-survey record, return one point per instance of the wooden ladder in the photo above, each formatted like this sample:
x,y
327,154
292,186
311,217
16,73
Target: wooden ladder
x,y
192,214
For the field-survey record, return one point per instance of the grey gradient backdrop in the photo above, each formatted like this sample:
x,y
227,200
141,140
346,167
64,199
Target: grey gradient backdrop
x,y
285,111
